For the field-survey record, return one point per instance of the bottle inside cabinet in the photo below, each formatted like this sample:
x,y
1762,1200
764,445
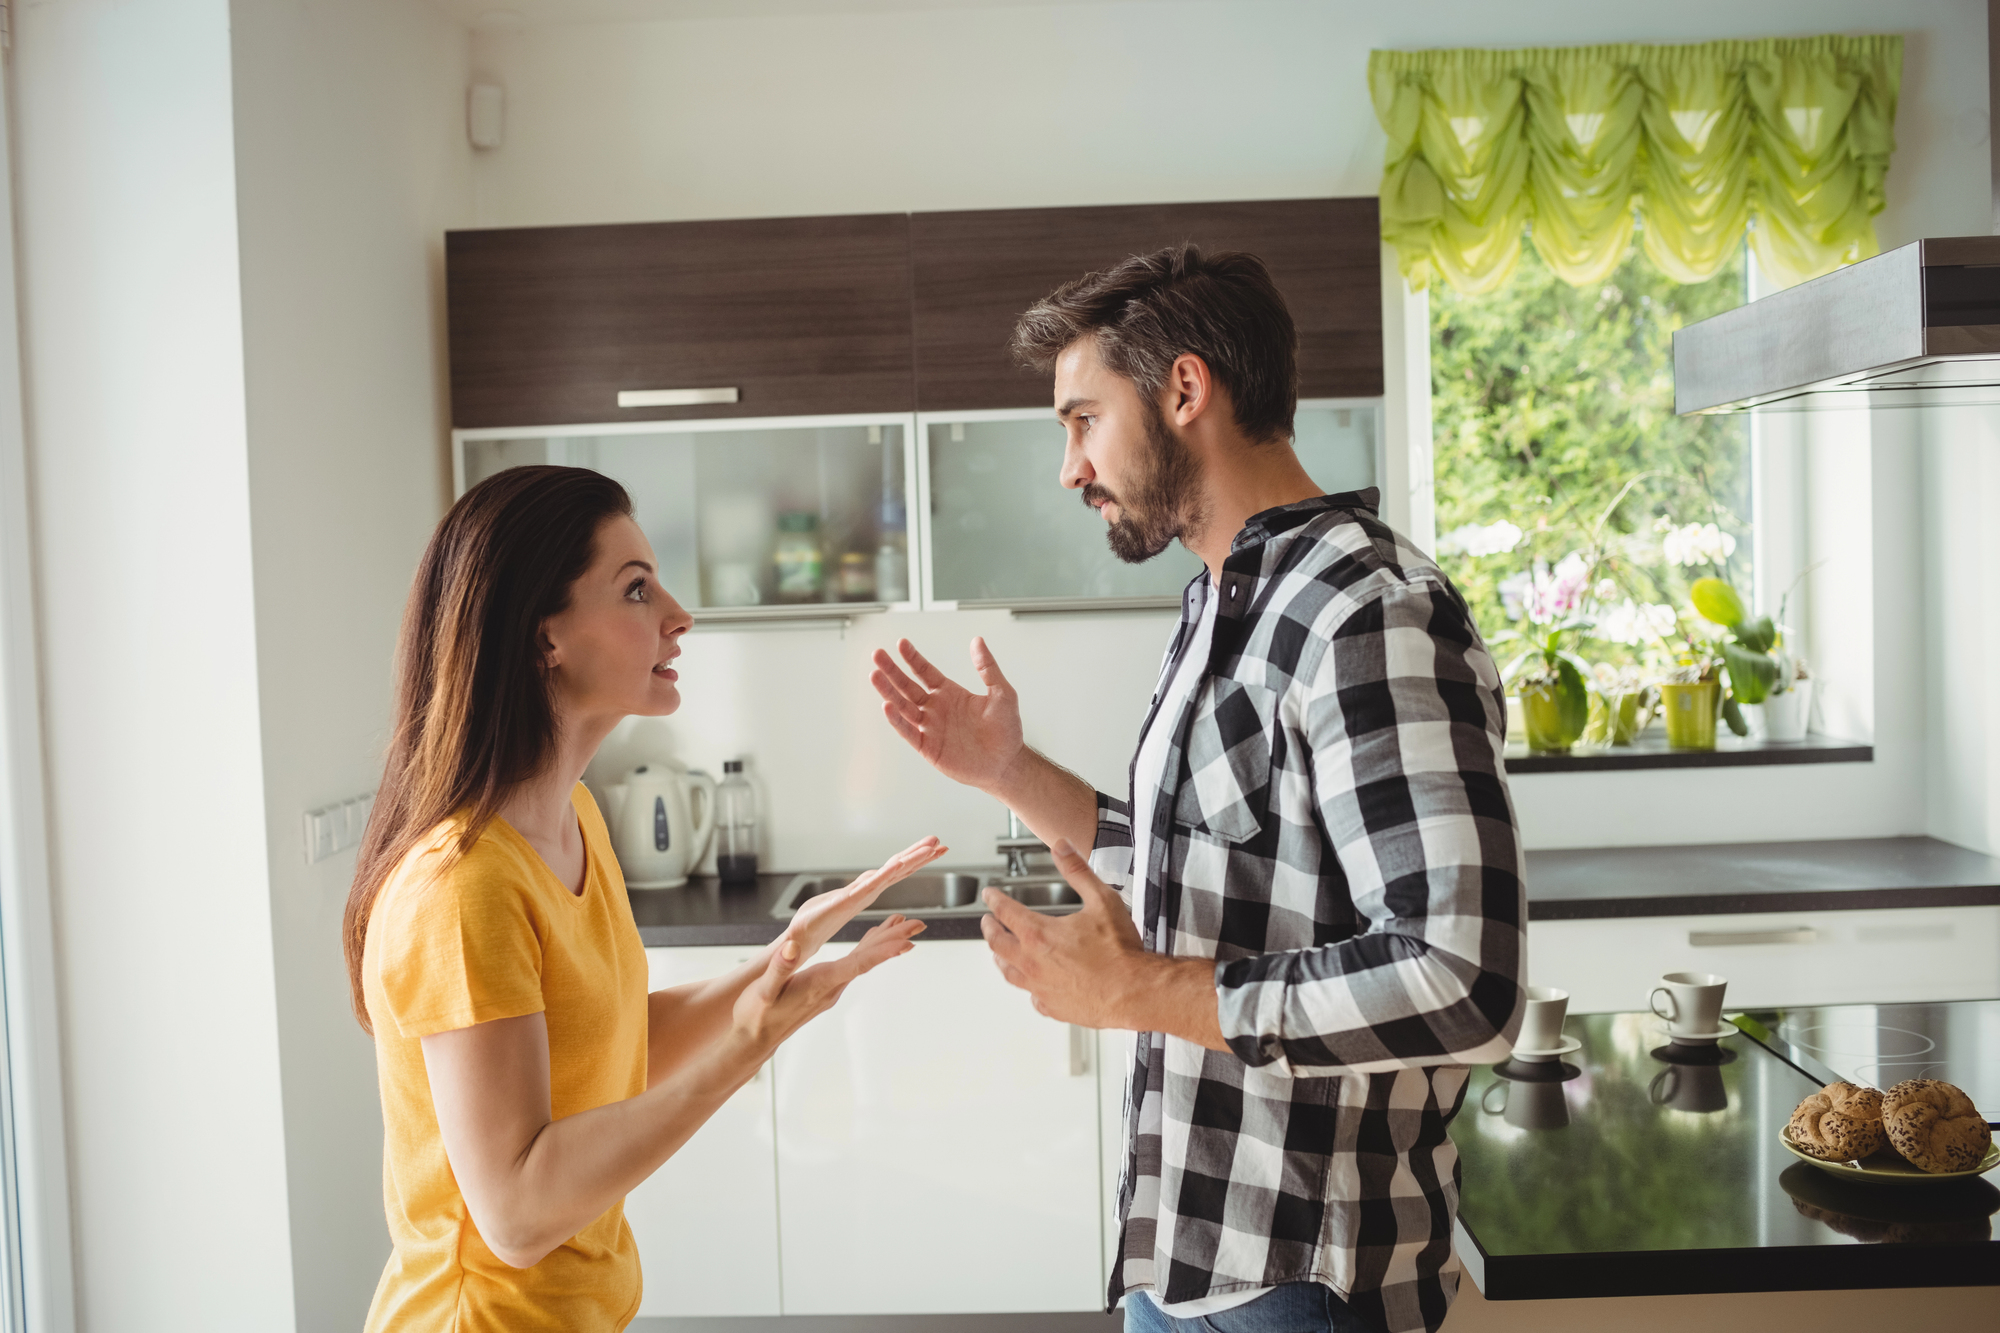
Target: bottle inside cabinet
x,y
769,516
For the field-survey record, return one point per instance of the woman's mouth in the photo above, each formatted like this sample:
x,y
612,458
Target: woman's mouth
x,y
666,672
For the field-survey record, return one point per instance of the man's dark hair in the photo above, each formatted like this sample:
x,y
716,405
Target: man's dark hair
x,y
1149,309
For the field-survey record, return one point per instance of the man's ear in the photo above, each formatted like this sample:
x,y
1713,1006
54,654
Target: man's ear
x,y
1190,388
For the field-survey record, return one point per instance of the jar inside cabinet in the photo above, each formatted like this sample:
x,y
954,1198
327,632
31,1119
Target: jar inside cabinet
x,y
748,519
1004,532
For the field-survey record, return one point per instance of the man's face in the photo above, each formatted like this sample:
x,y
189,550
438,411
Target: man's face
x,y
1123,454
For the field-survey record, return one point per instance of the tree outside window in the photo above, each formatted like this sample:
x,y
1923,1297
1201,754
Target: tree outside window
x,y
1574,508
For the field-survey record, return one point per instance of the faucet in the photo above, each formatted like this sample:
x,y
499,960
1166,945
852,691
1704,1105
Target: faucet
x,y
1017,846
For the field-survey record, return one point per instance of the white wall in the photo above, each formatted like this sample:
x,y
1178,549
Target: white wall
x,y
351,162
1074,104
1961,464
141,504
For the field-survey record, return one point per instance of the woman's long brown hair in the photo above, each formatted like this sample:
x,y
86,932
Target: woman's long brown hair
x,y
475,705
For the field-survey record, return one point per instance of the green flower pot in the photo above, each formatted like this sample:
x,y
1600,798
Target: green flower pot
x,y
1616,718
1690,712
1553,723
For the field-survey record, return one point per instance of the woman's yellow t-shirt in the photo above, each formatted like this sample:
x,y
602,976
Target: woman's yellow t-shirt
x,y
498,936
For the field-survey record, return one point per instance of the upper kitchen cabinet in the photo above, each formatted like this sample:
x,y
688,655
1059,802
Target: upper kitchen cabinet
x,y
661,321
975,272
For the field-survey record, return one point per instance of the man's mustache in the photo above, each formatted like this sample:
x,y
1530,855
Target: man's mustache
x,y
1097,497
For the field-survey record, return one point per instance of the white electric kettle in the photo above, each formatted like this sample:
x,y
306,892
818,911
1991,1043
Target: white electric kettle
x,y
653,827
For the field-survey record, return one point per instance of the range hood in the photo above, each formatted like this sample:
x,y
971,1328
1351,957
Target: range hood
x,y
1917,326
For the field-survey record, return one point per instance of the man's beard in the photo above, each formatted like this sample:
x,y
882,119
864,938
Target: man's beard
x,y
1162,503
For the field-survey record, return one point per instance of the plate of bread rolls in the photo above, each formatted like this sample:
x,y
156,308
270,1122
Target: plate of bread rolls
x,y
1922,1129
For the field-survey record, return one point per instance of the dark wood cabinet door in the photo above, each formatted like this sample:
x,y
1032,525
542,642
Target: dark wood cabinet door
x,y
976,272
799,315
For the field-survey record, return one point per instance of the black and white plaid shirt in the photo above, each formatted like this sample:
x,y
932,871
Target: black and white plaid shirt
x,y
1332,826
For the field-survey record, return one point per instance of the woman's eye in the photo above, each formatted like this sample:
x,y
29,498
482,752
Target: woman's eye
x,y
637,592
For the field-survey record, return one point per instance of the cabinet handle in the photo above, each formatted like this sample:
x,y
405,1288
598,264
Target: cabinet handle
x,y
674,397
1718,939
1080,1042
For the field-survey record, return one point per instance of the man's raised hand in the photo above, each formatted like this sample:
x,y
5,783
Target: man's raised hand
x,y
970,738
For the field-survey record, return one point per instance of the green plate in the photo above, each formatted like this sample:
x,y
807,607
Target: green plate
x,y
1886,1168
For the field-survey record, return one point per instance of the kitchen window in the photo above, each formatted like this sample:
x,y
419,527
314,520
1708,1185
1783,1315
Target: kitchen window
x,y
1565,485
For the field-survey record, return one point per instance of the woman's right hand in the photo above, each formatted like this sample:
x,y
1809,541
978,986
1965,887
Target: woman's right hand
x,y
788,994
787,997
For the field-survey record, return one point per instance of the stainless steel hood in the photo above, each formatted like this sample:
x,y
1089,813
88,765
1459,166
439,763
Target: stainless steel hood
x,y
1919,325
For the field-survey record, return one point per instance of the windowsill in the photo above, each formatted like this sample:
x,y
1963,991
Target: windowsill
x,y
1650,751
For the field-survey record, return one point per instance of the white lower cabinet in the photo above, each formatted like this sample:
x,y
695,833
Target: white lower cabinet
x,y
938,1147
1775,959
707,1222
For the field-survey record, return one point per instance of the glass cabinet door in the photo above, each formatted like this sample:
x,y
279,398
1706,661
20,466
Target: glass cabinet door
x,y
1002,531
748,519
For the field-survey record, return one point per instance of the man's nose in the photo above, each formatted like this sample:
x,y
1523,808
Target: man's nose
x,y
1076,469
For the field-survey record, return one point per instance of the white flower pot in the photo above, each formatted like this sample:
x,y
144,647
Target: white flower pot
x,y
1785,717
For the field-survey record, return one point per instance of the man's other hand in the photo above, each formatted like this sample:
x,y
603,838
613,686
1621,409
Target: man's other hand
x,y
1090,967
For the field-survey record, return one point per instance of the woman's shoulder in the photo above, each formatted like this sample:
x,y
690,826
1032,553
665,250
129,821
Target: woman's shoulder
x,y
440,876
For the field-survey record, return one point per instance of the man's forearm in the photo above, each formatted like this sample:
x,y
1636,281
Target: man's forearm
x,y
1172,995
1051,800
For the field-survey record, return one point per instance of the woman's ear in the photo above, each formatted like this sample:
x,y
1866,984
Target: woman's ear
x,y
551,655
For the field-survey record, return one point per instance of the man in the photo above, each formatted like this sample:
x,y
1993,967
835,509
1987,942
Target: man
x,y
1326,913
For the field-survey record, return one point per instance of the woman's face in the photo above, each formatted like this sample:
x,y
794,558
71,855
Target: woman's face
x,y
612,645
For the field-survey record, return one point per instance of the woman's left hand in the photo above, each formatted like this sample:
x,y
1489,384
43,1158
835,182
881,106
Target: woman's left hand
x,y
821,916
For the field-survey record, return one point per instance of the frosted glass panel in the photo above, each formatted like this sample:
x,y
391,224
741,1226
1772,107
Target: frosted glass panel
x,y
1003,527
750,517
1336,444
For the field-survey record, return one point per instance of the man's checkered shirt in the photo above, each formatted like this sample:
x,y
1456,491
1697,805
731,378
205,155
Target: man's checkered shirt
x,y
1332,826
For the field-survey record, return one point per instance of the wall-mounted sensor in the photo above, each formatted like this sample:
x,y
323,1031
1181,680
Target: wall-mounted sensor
x,y
486,115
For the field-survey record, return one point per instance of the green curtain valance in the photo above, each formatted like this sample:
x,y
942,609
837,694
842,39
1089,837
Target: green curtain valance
x,y
1791,135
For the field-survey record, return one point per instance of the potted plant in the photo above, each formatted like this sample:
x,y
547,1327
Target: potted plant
x,y
1763,676
1690,699
1621,705
1550,680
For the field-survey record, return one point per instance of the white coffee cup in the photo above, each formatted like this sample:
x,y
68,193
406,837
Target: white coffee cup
x,y
1693,1002
1542,1021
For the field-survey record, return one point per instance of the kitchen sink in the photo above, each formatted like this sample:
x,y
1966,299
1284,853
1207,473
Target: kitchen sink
x,y
950,893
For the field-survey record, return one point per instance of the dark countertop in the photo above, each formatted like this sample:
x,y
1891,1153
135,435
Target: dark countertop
x,y
1563,885
1639,1178
1723,878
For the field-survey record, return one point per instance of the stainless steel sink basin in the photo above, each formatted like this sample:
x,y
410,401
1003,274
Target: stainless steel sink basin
x,y
950,893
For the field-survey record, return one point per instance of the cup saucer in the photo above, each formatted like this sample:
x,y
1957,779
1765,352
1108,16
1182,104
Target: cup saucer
x,y
1569,1045
1703,1038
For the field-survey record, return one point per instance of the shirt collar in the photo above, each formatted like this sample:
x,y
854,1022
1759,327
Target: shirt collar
x,y
1270,523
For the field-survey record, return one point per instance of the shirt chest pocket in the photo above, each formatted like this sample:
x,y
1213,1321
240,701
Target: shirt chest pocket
x,y
1229,760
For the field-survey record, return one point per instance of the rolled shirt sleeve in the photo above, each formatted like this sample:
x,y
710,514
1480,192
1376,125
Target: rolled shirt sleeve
x,y
1405,721
1111,854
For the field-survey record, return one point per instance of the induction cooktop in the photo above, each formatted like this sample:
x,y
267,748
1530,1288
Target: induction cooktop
x,y
1880,1045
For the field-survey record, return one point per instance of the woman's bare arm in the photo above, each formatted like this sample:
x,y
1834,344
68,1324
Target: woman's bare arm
x,y
531,1181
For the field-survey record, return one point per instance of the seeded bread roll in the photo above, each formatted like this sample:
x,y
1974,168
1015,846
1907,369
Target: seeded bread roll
x,y
1839,1123
1935,1126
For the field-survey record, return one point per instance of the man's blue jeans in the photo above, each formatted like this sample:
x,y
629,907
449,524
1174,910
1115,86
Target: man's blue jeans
x,y
1295,1307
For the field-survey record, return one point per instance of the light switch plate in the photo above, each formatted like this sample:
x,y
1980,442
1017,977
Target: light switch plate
x,y
333,829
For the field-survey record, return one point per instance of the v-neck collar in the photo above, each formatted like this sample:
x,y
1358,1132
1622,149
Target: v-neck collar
x,y
579,894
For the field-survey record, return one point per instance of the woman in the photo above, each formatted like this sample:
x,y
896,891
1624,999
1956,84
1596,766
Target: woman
x,y
528,1080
